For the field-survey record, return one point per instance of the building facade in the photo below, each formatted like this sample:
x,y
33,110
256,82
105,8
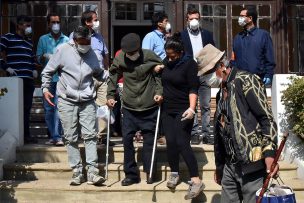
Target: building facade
x,y
284,19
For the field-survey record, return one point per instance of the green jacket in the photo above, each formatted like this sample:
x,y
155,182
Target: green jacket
x,y
140,82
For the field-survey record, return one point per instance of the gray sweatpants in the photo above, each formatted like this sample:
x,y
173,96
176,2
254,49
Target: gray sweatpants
x,y
237,188
77,119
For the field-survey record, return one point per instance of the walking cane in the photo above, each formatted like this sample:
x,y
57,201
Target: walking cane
x,y
154,145
273,165
108,141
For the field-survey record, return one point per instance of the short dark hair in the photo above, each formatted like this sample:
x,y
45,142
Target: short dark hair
x,y
23,19
82,32
158,18
48,18
175,43
251,11
192,10
87,16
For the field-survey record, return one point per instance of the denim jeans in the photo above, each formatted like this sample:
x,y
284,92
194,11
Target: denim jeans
x,y
51,115
204,96
79,119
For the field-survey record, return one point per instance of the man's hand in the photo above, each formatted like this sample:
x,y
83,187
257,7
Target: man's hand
x,y
217,177
268,162
11,71
158,99
111,103
48,96
188,114
158,68
35,74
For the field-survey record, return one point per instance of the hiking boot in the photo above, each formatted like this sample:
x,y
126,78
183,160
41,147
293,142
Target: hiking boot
x,y
173,181
194,189
77,179
94,178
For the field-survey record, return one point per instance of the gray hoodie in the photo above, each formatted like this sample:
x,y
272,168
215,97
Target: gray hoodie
x,y
75,72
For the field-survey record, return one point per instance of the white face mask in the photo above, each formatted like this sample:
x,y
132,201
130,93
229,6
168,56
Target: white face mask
x,y
95,25
83,48
168,27
56,28
241,21
134,57
28,31
194,24
212,80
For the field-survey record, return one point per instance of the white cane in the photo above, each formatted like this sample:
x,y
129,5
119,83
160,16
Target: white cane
x,y
108,141
155,143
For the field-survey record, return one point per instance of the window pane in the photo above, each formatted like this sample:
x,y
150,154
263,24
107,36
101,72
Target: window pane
x,y
220,10
131,16
264,10
39,28
64,26
207,10
90,7
9,25
125,11
236,10
151,8
220,33
12,10
301,11
60,9
23,9
264,23
192,5
74,10
40,10
207,23
236,28
72,24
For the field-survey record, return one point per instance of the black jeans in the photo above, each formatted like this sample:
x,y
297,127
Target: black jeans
x,y
132,122
28,90
178,136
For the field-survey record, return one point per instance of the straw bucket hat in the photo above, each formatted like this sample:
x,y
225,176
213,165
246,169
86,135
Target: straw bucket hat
x,y
207,58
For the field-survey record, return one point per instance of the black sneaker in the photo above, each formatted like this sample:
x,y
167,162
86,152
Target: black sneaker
x,y
196,139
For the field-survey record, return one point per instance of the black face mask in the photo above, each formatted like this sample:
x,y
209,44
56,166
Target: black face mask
x,y
172,64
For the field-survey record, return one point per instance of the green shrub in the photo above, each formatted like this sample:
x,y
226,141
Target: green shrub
x,y
293,99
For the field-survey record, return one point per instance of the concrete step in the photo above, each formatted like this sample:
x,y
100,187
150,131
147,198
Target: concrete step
x,y
42,171
42,153
58,190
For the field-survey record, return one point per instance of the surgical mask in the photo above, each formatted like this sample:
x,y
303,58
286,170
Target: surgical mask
x,y
168,27
95,25
28,31
133,57
241,21
56,28
194,24
83,48
212,80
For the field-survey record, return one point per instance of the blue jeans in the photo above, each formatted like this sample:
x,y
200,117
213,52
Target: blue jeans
x,y
79,119
204,96
51,115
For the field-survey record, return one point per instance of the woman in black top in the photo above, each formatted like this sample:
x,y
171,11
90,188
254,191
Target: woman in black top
x,y
180,85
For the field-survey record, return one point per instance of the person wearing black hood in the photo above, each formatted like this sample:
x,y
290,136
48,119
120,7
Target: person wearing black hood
x,y
180,86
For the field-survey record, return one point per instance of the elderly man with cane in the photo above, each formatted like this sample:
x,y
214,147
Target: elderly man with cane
x,y
244,128
141,96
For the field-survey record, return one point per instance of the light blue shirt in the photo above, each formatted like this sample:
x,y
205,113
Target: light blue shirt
x,y
155,41
48,45
98,45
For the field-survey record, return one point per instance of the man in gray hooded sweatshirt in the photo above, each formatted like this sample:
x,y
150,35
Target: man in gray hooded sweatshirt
x,y
76,64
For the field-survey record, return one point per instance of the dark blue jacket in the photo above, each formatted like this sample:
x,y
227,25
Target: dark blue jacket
x,y
207,38
253,51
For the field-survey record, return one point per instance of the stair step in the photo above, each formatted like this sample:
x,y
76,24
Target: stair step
x,y
60,191
41,171
43,153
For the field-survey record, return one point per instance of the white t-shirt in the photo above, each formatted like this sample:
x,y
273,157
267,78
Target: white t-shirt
x,y
196,42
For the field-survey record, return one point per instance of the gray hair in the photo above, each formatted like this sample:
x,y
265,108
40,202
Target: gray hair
x,y
82,32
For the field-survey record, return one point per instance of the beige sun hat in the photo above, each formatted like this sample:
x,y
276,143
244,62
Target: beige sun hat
x,y
207,57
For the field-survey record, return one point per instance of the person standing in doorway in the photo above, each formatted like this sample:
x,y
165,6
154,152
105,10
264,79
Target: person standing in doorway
x,y
46,47
253,48
18,59
194,39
